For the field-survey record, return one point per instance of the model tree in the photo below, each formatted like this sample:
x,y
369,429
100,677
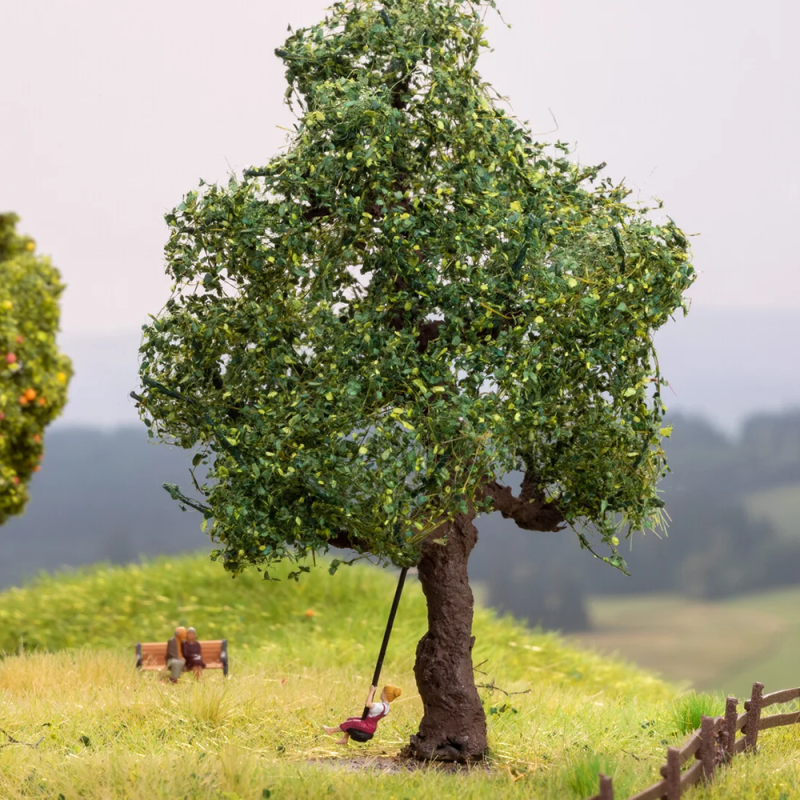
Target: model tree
x,y
413,300
33,373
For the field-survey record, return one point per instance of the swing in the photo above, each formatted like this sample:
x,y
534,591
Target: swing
x,y
363,736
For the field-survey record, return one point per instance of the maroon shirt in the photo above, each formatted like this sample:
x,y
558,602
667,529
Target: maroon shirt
x,y
368,725
193,654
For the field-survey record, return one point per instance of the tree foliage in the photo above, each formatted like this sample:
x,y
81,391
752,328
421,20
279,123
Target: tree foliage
x,y
33,373
410,301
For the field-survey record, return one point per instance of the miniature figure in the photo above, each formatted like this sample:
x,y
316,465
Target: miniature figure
x,y
175,661
360,729
193,654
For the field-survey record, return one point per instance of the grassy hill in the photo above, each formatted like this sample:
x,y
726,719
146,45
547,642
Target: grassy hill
x,y
104,731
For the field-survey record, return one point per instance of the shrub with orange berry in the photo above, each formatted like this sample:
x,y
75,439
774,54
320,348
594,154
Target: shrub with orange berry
x,y
34,375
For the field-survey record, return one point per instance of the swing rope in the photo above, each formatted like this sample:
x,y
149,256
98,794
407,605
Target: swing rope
x,y
395,603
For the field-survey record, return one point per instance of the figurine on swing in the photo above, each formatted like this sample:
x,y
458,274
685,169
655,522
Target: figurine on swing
x,y
362,729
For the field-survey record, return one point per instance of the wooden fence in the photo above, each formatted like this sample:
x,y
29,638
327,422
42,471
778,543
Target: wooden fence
x,y
713,744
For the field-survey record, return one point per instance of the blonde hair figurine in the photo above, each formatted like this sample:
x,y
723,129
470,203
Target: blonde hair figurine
x,y
363,728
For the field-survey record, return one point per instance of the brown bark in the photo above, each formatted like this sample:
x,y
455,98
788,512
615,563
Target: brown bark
x,y
315,212
453,727
343,540
529,510
428,332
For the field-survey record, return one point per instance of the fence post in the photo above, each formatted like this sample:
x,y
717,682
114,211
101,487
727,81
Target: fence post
x,y
708,746
606,788
753,709
729,731
671,771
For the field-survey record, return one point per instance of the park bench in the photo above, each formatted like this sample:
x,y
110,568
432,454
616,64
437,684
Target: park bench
x,y
153,655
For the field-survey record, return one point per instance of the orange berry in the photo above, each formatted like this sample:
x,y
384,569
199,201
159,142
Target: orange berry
x,y
310,612
36,468
11,358
23,401
42,401
37,438
30,394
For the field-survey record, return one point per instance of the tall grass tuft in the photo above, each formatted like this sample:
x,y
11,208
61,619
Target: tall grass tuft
x,y
686,713
581,777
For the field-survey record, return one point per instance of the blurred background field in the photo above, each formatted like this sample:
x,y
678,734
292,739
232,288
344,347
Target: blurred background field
x,y
712,646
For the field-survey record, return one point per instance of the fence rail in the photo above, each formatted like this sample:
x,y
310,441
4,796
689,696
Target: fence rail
x,y
714,744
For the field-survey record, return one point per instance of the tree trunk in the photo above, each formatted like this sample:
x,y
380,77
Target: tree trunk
x,y
453,726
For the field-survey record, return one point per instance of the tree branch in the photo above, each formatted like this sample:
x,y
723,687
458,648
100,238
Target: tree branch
x,y
343,540
12,740
314,212
529,510
492,688
428,332
176,494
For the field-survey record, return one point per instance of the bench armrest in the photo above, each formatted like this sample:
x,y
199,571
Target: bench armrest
x,y
223,657
138,655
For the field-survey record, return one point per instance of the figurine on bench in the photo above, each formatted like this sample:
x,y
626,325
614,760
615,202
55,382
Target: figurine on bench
x,y
179,654
174,660
193,653
363,729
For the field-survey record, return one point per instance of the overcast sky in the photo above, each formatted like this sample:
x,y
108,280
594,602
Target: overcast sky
x,y
112,111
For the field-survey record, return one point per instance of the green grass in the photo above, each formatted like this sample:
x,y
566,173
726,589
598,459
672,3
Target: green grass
x,y
687,712
780,506
109,732
266,622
